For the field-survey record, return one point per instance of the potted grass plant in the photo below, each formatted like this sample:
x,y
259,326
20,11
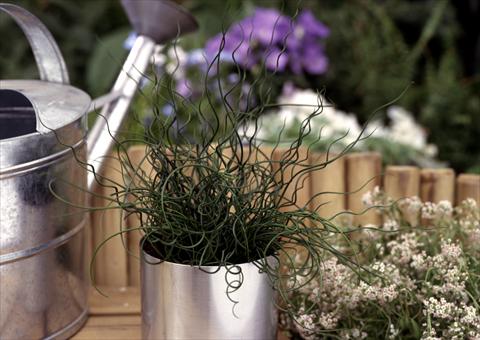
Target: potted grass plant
x,y
220,212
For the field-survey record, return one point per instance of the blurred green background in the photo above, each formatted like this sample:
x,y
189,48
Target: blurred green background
x,y
376,49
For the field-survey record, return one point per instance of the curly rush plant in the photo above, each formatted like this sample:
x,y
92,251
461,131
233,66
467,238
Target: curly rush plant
x,y
208,193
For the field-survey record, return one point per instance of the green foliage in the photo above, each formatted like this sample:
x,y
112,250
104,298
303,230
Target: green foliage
x,y
395,42
369,58
394,153
451,112
77,26
106,61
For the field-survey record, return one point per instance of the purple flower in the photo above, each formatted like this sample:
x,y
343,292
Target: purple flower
x,y
314,60
269,26
168,110
266,27
304,45
233,44
311,26
275,40
310,58
276,59
230,47
184,88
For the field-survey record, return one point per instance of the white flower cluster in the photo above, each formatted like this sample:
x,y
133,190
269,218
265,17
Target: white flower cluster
x,y
403,249
337,291
413,205
442,209
428,277
451,320
373,198
468,215
404,130
354,333
332,123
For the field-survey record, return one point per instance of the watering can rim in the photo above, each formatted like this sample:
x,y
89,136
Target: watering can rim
x,y
70,104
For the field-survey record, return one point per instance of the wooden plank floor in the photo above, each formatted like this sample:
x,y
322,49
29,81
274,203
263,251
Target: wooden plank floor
x,y
116,316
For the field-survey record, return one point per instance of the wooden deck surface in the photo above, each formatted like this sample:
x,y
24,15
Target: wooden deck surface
x,y
116,316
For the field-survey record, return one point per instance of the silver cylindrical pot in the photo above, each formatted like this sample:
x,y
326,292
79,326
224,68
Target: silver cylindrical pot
x,y
185,302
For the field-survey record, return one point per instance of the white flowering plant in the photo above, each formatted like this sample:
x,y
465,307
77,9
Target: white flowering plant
x,y
422,278
403,141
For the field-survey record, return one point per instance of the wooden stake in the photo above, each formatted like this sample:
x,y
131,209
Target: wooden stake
x,y
437,185
363,172
402,181
468,186
298,191
329,179
136,155
111,260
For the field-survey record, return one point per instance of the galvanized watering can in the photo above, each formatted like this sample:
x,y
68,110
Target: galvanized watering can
x,y
43,269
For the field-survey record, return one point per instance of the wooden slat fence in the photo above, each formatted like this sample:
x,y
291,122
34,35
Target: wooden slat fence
x,y
356,172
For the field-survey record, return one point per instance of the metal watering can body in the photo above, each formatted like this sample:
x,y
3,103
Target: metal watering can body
x,y
45,149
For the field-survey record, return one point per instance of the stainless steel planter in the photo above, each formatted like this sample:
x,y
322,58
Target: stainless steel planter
x,y
184,302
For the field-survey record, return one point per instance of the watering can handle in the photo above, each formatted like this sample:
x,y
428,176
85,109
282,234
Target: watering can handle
x,y
50,63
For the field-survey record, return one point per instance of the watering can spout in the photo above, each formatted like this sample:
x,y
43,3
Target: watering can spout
x,y
155,22
159,19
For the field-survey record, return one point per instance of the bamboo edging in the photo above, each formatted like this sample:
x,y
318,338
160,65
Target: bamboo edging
x,y
401,181
111,258
437,185
355,173
468,186
330,180
136,155
363,174
298,192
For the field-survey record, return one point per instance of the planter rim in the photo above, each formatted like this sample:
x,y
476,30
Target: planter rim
x,y
155,260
